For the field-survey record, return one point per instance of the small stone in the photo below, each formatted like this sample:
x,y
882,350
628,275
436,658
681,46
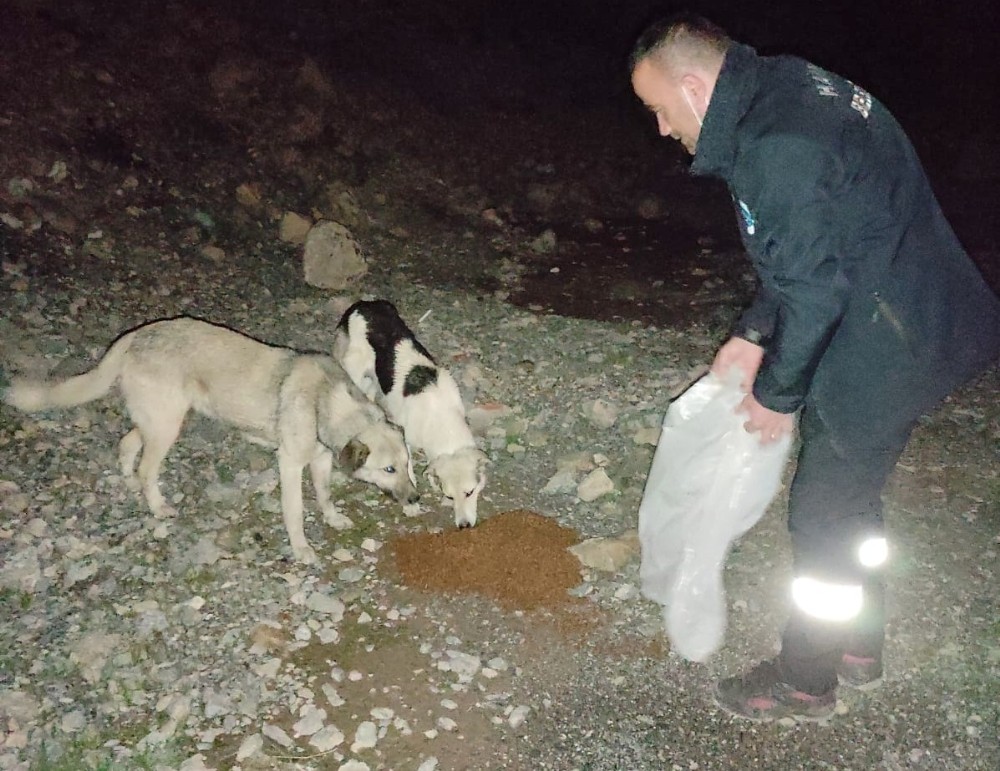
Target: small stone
x,y
650,436
332,258
607,554
626,592
518,715
250,747
596,484
430,764
327,738
268,669
311,721
335,699
351,575
214,253
205,552
324,603
365,736
464,665
545,243
73,722
562,482
278,735
384,714
294,228
248,195
603,414
446,724
195,763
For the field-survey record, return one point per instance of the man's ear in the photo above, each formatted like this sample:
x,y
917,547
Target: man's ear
x,y
354,455
694,85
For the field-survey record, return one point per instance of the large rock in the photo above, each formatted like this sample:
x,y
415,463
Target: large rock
x,y
332,258
608,554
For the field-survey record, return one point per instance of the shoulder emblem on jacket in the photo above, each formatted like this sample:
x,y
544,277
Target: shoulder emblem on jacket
x,y
749,221
823,80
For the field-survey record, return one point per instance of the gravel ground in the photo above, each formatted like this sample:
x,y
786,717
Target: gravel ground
x,y
197,643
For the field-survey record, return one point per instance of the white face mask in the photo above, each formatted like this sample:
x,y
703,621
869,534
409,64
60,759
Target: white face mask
x,y
687,99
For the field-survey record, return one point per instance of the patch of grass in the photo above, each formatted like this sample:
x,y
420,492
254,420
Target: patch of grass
x,y
13,599
200,578
90,753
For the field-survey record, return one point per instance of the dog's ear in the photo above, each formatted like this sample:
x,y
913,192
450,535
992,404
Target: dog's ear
x,y
354,455
409,466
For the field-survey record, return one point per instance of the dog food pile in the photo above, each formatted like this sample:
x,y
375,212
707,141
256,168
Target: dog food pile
x,y
518,558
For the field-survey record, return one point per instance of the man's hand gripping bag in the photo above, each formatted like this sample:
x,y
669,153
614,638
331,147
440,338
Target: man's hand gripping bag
x,y
710,482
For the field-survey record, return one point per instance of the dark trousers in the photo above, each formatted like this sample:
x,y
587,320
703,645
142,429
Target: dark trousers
x,y
834,504
864,401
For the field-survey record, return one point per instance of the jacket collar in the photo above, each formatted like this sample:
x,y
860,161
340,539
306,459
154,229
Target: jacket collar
x,y
734,91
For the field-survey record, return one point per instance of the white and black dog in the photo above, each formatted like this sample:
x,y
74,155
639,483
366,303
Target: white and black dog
x,y
386,361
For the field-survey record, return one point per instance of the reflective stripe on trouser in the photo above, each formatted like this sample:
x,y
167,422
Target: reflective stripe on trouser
x,y
835,520
832,601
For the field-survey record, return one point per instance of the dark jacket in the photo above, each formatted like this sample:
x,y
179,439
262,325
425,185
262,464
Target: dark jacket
x,y
839,221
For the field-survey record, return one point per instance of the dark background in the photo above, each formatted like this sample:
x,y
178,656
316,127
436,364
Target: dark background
x,y
924,58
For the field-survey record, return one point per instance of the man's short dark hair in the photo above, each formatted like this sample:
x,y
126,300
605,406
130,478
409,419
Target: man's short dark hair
x,y
680,36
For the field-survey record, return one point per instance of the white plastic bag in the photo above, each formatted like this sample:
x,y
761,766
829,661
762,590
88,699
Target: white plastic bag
x,y
709,483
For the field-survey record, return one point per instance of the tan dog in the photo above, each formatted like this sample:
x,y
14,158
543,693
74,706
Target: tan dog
x,y
304,404
387,362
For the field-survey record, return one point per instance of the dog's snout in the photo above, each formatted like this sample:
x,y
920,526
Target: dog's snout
x,y
464,525
413,497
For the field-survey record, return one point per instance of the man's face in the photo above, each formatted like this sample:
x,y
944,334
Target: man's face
x,y
664,96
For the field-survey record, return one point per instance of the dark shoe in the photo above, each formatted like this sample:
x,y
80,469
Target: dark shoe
x,y
861,672
760,694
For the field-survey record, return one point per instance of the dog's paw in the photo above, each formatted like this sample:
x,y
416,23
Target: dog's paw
x,y
164,511
336,520
305,555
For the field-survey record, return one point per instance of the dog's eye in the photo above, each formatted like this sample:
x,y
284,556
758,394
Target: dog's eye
x,y
469,494
389,469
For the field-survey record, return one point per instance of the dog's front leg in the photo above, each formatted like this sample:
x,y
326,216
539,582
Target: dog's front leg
x,y
320,470
290,472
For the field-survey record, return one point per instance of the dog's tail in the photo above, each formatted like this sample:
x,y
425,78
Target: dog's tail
x,y
35,395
